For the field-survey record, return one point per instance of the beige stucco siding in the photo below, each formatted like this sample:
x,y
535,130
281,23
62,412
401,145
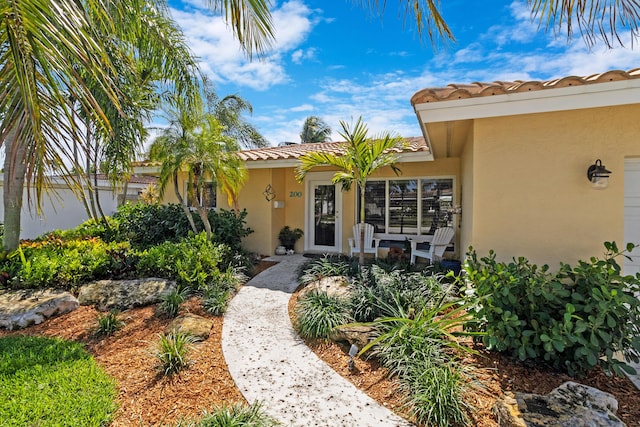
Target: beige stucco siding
x,y
465,195
530,193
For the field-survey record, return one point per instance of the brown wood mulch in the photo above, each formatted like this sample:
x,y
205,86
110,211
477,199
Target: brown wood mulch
x,y
147,398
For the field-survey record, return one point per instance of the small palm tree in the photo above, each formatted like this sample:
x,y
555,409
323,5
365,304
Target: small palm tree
x,y
362,157
314,130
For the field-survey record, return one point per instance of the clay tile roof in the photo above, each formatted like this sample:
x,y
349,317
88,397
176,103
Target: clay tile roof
x,y
478,89
295,151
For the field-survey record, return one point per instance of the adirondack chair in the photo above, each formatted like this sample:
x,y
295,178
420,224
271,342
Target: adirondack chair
x,y
441,239
370,243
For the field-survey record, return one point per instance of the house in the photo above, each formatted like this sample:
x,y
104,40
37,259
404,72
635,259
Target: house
x,y
523,151
504,163
61,209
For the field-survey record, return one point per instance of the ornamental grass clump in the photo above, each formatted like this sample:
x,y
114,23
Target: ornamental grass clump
x,y
108,324
173,351
170,302
317,314
237,415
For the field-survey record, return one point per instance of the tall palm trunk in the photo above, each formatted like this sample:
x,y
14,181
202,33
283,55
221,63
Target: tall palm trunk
x,y
14,177
362,214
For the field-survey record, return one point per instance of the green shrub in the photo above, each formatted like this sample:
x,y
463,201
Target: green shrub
x,y
48,381
145,225
108,323
229,228
574,320
237,415
173,351
318,313
55,262
193,261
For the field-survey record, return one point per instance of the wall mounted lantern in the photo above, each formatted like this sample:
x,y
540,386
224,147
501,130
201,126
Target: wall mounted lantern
x,y
598,175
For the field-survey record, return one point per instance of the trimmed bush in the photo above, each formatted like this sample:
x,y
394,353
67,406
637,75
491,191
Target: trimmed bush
x,y
574,320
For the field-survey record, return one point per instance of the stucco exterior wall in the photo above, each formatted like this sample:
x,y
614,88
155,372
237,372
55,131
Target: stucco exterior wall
x,y
531,196
466,195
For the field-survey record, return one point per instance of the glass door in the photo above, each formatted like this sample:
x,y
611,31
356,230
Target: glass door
x,y
323,217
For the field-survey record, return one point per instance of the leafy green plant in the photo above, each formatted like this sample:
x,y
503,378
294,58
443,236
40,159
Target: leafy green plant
x,y
48,381
289,236
376,288
237,415
574,320
318,313
170,302
193,261
173,351
108,323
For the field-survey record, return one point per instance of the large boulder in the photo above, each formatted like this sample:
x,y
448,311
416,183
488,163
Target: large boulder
x,y
197,326
124,294
19,309
571,404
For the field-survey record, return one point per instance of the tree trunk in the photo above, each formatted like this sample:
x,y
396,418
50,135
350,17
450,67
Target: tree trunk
x,y
14,177
205,220
185,208
362,213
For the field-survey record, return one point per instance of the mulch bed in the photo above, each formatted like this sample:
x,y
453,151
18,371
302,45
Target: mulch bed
x,y
149,399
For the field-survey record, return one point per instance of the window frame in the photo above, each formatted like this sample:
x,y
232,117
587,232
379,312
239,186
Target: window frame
x,y
422,234
214,199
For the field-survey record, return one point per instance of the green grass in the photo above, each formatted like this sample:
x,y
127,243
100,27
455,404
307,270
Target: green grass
x,y
52,382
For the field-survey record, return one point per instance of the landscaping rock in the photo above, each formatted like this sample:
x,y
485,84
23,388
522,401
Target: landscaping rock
x,y
124,294
507,412
571,404
197,326
359,335
19,309
332,286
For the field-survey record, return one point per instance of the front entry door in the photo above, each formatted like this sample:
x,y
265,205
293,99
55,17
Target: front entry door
x,y
323,217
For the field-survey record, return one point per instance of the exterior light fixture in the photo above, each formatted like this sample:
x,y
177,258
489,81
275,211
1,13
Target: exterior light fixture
x,y
598,175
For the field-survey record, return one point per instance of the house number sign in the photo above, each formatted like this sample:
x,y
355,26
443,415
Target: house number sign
x,y
295,193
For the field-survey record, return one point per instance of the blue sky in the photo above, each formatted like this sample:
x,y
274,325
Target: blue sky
x,y
336,60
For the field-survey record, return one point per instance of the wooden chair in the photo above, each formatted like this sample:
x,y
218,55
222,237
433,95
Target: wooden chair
x,y
370,243
441,239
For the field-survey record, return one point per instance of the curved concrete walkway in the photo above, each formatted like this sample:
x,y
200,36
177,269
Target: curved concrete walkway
x,y
272,365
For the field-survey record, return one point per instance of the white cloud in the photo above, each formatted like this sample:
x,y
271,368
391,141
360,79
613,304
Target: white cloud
x,y
301,108
300,55
221,56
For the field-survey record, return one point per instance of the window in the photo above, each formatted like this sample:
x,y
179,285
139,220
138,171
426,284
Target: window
x,y
408,206
206,198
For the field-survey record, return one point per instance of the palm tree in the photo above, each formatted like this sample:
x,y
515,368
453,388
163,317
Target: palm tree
x,y
228,111
50,52
594,18
194,143
362,157
314,130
